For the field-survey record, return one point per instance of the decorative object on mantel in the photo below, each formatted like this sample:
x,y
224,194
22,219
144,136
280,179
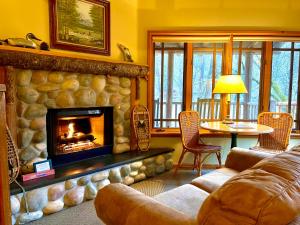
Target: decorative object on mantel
x,y
31,41
141,124
126,53
80,25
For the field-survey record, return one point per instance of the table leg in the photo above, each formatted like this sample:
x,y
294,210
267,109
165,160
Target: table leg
x,y
233,140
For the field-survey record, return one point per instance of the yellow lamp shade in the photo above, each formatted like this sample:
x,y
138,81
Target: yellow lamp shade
x,y
230,84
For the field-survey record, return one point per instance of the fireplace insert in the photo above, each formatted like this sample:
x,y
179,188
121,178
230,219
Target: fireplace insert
x,y
75,134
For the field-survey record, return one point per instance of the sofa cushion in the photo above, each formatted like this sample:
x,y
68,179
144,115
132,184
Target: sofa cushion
x,y
186,198
118,204
295,221
213,180
241,159
266,194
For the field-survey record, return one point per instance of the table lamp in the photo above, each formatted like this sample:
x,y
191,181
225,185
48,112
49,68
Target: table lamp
x,y
229,84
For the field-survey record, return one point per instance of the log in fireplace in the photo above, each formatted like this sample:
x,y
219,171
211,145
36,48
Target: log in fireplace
x,y
75,134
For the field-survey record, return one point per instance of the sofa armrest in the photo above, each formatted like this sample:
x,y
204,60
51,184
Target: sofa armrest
x,y
241,159
118,204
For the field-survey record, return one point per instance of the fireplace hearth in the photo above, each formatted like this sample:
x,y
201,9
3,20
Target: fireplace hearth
x,y
75,134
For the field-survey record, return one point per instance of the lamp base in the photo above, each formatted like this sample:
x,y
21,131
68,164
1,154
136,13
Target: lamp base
x,y
227,120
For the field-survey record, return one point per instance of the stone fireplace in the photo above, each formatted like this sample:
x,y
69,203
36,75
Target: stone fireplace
x,y
75,134
58,107
40,91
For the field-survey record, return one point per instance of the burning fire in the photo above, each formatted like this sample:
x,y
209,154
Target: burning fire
x,y
71,130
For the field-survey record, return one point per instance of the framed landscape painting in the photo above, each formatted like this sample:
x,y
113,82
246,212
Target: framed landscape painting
x,y
80,25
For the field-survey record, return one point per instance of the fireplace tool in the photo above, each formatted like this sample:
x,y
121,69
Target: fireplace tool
x,y
14,165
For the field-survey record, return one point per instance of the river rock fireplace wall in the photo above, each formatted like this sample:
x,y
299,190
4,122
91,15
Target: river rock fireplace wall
x,y
75,134
36,91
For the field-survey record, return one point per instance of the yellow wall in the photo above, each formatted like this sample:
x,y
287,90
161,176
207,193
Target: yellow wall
x,y
21,17
213,15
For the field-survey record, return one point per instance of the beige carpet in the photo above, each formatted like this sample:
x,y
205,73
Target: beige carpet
x,y
150,187
85,213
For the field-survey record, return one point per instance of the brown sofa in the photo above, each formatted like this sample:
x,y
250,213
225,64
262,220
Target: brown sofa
x,y
243,193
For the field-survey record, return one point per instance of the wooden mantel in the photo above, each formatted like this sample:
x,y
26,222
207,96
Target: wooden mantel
x,y
24,58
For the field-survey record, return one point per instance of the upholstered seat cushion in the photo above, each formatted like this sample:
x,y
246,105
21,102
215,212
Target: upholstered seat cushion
x,y
118,204
271,151
203,148
241,158
295,221
186,199
266,194
215,179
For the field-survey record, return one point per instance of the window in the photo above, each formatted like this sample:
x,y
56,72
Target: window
x,y
184,67
246,62
285,75
168,80
207,68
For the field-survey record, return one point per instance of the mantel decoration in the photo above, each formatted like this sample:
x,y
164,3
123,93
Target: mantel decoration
x,y
30,41
80,25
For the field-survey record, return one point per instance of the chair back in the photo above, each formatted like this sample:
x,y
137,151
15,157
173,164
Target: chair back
x,y
208,109
189,128
282,124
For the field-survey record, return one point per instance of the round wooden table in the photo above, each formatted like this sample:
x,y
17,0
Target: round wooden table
x,y
237,128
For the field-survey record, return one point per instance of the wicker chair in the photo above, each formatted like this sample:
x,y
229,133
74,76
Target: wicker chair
x,y
278,140
191,142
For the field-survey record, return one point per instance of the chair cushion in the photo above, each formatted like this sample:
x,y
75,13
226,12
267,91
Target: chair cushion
x,y
186,199
203,148
213,180
266,194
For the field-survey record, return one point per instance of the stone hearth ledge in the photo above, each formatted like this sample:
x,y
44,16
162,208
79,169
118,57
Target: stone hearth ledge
x,y
71,192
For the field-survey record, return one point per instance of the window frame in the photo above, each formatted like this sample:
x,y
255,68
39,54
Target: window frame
x,y
188,37
171,51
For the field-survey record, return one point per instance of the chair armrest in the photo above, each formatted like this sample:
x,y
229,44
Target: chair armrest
x,y
241,159
118,204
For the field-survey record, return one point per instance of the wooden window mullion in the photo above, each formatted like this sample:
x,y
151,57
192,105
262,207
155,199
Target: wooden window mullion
x,y
298,99
239,73
212,106
227,69
266,77
291,78
162,85
188,76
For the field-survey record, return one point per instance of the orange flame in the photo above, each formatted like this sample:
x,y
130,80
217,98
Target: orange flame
x,y
71,130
